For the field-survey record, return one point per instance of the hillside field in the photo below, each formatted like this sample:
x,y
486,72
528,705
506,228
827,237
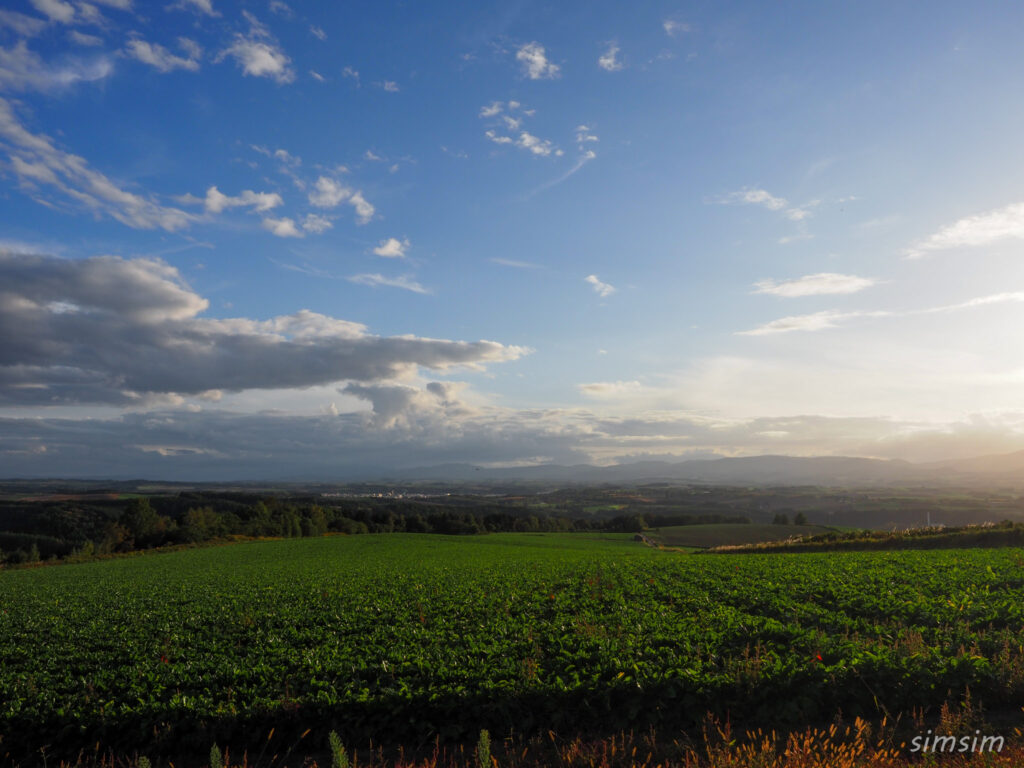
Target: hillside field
x,y
726,534
405,638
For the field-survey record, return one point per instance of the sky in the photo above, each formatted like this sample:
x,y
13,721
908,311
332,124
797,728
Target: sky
x,y
287,240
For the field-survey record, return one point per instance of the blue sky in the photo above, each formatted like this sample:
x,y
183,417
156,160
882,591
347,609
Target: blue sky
x,y
392,234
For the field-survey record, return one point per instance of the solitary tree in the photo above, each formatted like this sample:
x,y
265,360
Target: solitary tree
x,y
781,519
800,519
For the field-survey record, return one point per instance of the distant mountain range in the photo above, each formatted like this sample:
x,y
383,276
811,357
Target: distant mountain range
x,y
841,471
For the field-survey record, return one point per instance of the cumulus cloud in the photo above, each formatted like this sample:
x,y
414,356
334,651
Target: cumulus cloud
x,y
260,202
39,164
330,193
283,227
258,55
110,330
56,10
974,231
492,109
392,248
376,280
601,289
317,32
316,224
609,60
163,60
390,86
23,70
534,62
815,285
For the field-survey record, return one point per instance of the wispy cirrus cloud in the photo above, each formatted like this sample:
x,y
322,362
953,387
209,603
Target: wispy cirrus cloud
x,y
376,280
674,28
827,319
815,285
40,165
982,229
23,70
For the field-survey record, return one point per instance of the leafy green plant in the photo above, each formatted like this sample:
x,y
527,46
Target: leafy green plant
x,y
339,758
483,749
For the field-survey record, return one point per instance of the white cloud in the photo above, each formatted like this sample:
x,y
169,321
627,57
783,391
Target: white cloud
x,y
494,108
317,76
533,59
163,60
281,8
516,264
974,231
258,55
756,197
364,210
316,224
27,26
80,38
831,319
609,59
404,282
23,70
121,5
283,227
38,163
674,28
531,143
328,193
815,285
56,10
493,136
317,32
351,74
610,389
390,86
392,248
601,289
260,202
287,157
199,6
816,321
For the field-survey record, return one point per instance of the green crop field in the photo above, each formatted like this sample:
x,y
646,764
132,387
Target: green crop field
x,y
402,637
724,534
